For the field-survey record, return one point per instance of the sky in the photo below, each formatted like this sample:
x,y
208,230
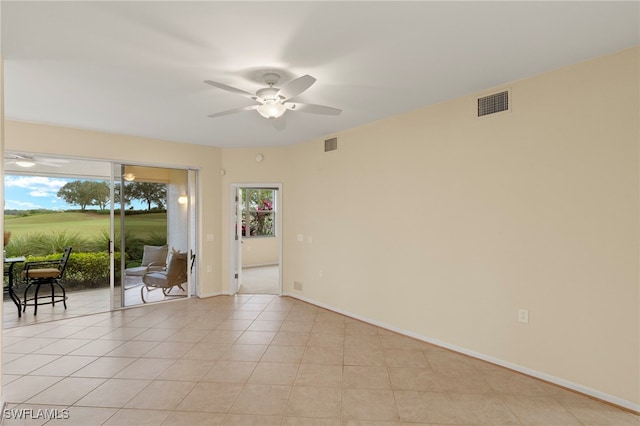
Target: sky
x,y
36,192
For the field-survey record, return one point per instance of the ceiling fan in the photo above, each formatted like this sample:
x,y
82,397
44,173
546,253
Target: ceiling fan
x,y
28,160
273,102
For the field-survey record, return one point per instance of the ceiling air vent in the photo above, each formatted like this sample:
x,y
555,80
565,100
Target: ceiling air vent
x,y
330,144
491,104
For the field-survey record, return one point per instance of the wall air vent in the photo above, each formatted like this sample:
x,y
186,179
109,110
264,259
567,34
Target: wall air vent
x,y
491,104
330,144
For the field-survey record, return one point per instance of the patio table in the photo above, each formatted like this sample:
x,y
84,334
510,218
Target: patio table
x,y
10,263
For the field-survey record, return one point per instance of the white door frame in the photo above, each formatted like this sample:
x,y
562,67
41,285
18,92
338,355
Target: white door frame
x,y
233,248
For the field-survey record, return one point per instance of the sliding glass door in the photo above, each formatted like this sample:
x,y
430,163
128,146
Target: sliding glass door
x,y
122,222
154,234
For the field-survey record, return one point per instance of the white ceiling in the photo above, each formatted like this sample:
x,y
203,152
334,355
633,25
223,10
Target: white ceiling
x,y
138,68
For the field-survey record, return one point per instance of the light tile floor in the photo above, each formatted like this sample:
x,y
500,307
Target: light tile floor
x,y
265,360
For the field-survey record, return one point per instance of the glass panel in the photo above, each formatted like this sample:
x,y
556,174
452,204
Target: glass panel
x,y
259,212
154,217
53,204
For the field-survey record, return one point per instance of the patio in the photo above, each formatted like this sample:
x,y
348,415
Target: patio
x,y
79,303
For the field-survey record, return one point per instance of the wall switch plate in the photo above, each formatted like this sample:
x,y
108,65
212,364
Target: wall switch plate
x,y
523,316
297,285
300,238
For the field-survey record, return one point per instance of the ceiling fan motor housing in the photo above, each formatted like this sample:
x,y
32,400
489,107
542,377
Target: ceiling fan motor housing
x,y
269,94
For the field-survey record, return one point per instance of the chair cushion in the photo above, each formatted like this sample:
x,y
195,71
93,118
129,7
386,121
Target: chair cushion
x,y
42,273
154,254
138,271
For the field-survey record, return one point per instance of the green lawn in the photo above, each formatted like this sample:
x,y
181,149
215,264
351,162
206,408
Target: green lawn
x,y
87,224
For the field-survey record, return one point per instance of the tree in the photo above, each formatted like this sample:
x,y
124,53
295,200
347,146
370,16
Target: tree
x,y
101,194
148,192
121,197
85,193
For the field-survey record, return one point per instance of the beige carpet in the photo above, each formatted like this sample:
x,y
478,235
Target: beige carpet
x,y
260,280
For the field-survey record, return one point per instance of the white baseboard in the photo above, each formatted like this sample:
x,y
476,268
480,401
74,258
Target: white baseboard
x,y
611,399
260,265
205,295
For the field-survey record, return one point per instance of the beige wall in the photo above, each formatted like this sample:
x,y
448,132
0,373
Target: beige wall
x,y
37,138
444,225
259,251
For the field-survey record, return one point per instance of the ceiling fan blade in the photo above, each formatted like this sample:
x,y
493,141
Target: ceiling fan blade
x,y
47,163
231,89
312,108
49,160
297,86
233,111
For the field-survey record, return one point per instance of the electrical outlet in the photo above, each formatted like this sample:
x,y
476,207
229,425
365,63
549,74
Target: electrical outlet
x,y
523,316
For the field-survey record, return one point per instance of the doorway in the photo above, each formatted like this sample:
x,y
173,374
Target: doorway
x,y
256,239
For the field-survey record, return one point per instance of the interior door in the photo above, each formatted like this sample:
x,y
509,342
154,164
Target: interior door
x,y
240,226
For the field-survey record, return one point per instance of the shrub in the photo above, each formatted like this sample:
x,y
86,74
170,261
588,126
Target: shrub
x,y
84,270
45,243
88,265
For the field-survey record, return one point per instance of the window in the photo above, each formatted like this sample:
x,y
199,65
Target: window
x,y
259,212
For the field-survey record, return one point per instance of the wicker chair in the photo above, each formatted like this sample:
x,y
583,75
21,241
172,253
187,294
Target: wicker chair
x,y
175,275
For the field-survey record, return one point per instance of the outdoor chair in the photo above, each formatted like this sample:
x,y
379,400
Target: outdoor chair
x,y
153,258
45,272
175,275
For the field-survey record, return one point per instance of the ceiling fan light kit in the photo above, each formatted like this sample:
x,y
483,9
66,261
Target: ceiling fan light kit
x,y
272,101
271,109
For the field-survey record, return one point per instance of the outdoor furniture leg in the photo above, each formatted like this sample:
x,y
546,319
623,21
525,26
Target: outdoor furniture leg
x,y
64,294
16,301
35,301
